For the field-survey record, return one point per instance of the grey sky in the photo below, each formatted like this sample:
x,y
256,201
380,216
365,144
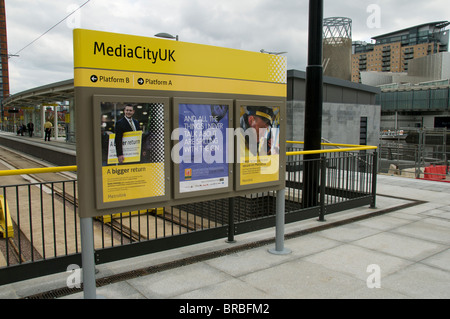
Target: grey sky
x,y
240,24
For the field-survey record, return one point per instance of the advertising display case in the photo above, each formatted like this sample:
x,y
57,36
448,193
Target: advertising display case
x,y
163,122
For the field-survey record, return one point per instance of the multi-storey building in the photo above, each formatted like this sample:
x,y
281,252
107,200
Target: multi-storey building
x,y
392,52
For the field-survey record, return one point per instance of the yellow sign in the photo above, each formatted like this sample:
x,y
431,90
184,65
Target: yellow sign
x,y
157,64
260,169
168,82
131,143
132,181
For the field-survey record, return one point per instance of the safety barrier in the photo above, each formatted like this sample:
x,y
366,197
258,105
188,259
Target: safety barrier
x,y
45,215
436,172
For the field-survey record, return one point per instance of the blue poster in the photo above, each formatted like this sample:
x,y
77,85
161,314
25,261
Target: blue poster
x,y
203,150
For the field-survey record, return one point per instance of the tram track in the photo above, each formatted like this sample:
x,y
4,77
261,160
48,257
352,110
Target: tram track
x,y
15,161
119,228
52,184
21,250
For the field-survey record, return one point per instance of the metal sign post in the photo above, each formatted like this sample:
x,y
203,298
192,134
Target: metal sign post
x,y
87,258
279,228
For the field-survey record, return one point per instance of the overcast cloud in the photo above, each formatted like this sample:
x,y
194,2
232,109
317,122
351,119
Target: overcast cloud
x,y
240,24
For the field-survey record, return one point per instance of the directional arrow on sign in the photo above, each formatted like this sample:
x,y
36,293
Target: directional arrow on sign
x,y
140,81
94,78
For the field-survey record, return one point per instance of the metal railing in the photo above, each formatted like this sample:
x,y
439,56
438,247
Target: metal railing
x,y
415,157
46,236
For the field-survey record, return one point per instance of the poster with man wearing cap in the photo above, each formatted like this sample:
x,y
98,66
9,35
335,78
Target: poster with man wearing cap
x,y
259,144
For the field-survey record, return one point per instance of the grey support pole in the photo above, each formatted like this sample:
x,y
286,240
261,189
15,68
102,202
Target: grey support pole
x,y
87,258
279,228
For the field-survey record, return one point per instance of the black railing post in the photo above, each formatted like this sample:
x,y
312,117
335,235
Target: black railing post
x,y
374,179
231,220
313,103
323,173
6,213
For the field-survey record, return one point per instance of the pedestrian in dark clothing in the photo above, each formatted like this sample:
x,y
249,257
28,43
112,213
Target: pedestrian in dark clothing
x,y
30,127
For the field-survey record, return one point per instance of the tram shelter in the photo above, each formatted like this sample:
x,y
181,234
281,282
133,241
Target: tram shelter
x,y
53,102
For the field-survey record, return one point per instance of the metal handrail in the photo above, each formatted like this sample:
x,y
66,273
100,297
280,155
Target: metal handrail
x,y
347,148
27,171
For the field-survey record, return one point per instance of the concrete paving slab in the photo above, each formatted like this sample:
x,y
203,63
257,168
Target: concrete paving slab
x,y
119,290
248,261
440,260
404,214
420,281
373,293
349,232
428,229
354,261
438,213
383,223
230,289
310,244
174,282
401,246
300,279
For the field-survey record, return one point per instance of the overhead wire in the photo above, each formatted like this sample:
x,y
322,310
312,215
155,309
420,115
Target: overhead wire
x,y
51,28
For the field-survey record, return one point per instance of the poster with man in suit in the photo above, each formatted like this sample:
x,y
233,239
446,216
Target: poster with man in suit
x,y
132,142
132,150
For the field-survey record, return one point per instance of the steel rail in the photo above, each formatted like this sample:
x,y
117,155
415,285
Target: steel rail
x,y
28,171
346,148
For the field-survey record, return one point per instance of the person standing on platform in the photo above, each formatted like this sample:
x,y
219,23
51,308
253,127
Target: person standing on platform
x,y
22,129
30,127
48,130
